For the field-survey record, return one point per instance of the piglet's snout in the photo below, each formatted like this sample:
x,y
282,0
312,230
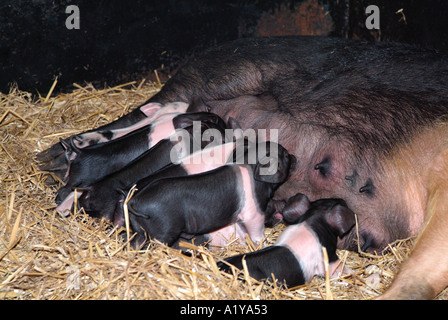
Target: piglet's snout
x,y
337,269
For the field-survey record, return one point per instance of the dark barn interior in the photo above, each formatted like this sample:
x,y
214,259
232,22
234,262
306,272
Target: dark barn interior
x,y
122,40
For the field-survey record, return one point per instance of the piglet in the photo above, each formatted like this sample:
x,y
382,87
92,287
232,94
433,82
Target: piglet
x,y
234,231
154,112
167,209
101,198
297,255
93,163
54,159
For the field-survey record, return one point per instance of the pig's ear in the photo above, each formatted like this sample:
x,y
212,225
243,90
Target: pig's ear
x,y
341,218
295,207
71,151
271,172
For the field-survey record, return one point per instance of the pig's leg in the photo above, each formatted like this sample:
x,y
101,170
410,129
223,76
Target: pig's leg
x,y
156,221
425,273
222,237
67,204
254,228
197,240
336,269
118,215
250,219
139,240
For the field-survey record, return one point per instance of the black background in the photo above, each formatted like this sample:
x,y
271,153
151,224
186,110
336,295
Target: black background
x,y
122,40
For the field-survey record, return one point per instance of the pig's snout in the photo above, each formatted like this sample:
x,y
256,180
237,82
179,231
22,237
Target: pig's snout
x,y
274,212
276,218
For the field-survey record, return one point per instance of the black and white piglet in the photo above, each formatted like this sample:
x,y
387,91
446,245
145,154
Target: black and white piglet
x,y
57,158
167,209
102,199
92,163
297,256
236,231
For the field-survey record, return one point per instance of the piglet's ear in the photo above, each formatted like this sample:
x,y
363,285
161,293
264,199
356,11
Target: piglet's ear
x,y
295,207
71,151
341,218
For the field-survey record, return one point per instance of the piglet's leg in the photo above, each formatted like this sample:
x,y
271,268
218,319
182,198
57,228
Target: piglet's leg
x,y
224,236
425,273
255,229
67,204
337,269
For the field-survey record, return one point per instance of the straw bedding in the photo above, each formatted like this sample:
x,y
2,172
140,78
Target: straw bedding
x,y
46,256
